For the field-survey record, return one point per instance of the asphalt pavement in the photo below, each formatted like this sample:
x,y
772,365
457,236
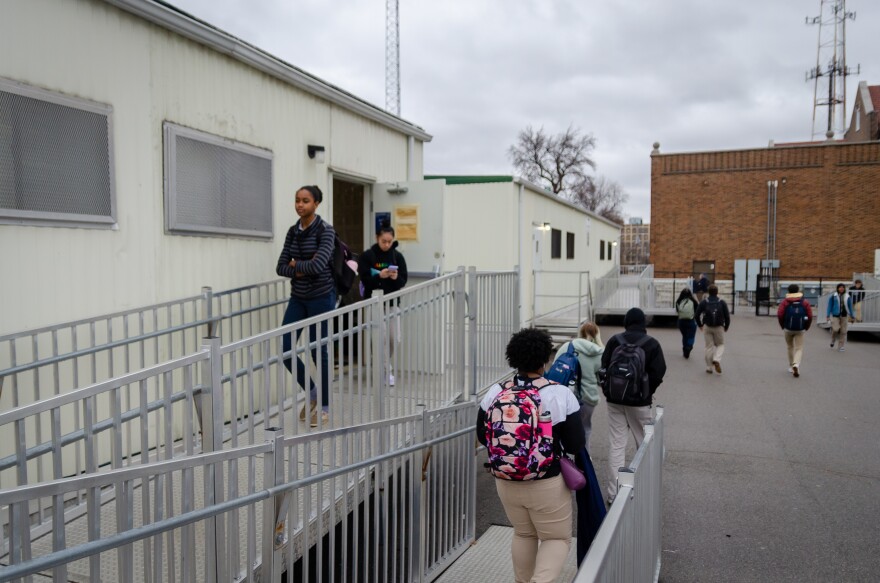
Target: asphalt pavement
x,y
767,477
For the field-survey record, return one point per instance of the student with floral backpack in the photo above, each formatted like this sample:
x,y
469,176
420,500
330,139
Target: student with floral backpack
x,y
525,424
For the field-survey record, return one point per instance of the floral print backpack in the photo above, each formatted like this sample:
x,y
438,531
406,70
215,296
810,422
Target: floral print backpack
x,y
519,433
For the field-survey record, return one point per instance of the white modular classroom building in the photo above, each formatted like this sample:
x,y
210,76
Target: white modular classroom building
x,y
145,154
497,223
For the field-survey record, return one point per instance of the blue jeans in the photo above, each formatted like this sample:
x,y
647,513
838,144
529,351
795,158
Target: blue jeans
x,y
297,310
688,333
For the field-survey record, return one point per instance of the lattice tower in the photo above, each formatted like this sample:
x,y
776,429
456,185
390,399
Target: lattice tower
x,y
830,73
392,57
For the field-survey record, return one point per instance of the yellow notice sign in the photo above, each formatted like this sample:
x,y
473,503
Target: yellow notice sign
x,y
406,222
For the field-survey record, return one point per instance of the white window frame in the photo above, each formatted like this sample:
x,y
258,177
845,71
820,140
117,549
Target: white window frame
x,y
172,225
49,219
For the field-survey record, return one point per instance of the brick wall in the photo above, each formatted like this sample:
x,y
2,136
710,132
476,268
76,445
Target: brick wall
x,y
713,205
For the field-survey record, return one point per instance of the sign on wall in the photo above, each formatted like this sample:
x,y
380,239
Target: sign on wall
x,y
406,222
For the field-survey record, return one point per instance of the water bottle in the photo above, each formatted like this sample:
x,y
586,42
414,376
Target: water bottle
x,y
545,423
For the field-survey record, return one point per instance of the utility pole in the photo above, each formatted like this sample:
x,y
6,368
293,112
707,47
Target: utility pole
x,y
831,66
392,57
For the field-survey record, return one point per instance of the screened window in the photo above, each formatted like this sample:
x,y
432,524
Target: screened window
x,y
608,252
569,245
56,161
555,244
216,186
601,250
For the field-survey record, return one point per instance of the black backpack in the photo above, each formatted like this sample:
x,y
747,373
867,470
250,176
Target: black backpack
x,y
795,316
343,274
714,314
625,380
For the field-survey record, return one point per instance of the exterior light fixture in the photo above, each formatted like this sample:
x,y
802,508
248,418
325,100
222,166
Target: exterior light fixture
x,y
316,153
541,226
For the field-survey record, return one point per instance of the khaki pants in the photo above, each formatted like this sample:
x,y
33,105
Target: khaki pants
x,y
794,340
539,510
838,329
714,344
623,420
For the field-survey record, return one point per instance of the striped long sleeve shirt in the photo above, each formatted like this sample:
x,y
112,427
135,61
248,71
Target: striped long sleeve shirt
x,y
312,248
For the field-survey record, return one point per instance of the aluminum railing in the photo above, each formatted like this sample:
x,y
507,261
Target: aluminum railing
x,y
568,297
37,364
227,396
493,316
140,417
388,500
627,547
868,311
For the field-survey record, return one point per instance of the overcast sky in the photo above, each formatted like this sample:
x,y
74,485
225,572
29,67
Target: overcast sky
x,y
690,74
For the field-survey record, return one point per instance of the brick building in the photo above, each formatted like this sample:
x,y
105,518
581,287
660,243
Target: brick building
x,y
713,206
635,242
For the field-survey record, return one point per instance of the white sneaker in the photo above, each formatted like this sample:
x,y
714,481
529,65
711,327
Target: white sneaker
x,y
391,380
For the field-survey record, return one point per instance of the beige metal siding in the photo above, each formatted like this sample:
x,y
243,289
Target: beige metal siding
x,y
149,75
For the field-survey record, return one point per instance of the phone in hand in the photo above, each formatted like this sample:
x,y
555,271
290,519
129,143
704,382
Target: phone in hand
x,y
392,268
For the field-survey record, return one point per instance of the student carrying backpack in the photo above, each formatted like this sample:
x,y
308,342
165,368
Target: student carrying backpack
x,y
634,367
714,315
525,424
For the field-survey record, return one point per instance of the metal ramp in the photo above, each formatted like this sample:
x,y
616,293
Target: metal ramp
x,y
615,294
495,542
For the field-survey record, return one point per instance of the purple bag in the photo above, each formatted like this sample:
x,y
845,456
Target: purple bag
x,y
574,478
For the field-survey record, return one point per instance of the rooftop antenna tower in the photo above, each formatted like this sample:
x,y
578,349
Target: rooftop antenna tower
x,y
830,68
392,57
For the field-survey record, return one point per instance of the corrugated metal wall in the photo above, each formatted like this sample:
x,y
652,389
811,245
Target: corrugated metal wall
x,y
149,75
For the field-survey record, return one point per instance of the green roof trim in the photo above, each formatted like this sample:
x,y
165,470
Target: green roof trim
x,y
470,179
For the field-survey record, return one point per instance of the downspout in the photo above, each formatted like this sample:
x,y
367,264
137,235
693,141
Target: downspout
x,y
519,266
410,158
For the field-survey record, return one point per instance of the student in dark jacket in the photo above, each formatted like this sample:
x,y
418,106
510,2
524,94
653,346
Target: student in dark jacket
x,y
713,318
383,267
625,419
305,259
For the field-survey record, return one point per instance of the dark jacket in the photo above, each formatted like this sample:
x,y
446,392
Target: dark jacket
x,y
701,312
374,260
312,248
701,285
655,363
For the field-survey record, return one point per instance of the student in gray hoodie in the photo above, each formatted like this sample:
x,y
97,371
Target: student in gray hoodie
x,y
589,348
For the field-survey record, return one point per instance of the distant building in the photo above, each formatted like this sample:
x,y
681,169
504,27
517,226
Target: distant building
x,y
635,243
813,207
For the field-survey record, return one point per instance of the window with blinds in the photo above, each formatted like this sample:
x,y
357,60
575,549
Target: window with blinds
x,y
56,159
215,186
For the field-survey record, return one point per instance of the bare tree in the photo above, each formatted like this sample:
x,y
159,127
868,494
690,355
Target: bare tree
x,y
558,162
602,196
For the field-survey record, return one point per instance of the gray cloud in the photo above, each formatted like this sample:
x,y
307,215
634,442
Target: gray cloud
x,y
690,74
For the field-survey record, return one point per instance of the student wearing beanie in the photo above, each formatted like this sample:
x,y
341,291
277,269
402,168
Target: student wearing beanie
x,y
626,419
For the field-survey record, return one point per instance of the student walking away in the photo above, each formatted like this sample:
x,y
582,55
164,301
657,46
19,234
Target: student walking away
x,y
701,286
525,424
584,353
857,292
686,308
383,267
713,318
305,259
633,367
839,312
795,316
